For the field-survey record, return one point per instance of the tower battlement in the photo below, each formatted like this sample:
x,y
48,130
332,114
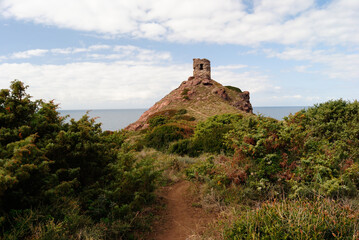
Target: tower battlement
x,y
201,68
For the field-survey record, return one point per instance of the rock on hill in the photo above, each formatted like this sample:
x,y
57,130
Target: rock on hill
x,y
201,96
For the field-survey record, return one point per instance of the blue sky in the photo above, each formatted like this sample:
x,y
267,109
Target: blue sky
x,y
92,54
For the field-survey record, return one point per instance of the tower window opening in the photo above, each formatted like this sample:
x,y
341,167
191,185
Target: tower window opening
x,y
201,67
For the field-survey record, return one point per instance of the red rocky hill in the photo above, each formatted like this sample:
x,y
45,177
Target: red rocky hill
x,y
200,96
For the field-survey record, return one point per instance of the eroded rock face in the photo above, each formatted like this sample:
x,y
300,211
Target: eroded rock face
x,y
245,104
221,92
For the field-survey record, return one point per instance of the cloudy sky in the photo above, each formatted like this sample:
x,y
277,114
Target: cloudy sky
x,y
93,54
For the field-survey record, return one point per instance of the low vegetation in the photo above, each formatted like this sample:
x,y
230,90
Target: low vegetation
x,y
305,166
291,179
67,180
234,89
296,219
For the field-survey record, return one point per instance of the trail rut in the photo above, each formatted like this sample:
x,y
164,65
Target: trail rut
x,y
180,220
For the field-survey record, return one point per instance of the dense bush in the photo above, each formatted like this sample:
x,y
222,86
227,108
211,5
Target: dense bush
x,y
185,147
160,137
72,181
78,174
314,152
157,121
166,127
310,161
208,136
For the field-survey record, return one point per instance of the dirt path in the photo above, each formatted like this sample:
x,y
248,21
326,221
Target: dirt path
x,y
180,219
198,112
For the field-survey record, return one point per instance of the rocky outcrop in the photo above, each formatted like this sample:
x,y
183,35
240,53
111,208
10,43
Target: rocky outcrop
x,y
197,92
201,96
245,104
221,92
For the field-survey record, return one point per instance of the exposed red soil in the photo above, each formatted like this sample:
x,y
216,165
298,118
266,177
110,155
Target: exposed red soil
x,y
180,220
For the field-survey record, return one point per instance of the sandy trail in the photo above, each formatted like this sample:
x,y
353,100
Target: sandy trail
x,y
180,220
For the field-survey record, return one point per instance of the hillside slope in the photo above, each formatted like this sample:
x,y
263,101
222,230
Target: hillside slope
x,y
202,97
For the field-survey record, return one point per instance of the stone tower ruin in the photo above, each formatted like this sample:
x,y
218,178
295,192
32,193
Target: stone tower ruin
x,y
201,68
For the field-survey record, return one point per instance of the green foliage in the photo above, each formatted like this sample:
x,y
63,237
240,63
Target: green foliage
x,y
314,152
181,111
47,166
170,113
23,174
16,109
234,89
185,147
201,169
71,180
256,138
169,116
185,118
185,92
297,219
166,127
160,137
209,134
157,121
208,137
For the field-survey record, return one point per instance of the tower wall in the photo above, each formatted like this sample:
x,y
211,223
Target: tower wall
x,y
201,68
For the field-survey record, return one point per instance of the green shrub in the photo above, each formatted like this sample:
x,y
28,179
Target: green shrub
x,y
186,147
201,170
234,88
168,116
46,164
160,137
181,111
208,136
311,153
169,113
185,92
186,118
157,121
307,154
297,219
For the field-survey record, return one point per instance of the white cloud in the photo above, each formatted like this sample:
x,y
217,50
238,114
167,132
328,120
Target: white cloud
x,y
337,65
297,96
96,85
151,30
61,51
303,68
99,47
124,84
231,67
136,82
112,85
29,54
215,21
252,81
133,78
295,100
97,52
65,51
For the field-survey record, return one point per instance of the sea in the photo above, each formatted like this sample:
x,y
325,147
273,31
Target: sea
x,y
116,119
